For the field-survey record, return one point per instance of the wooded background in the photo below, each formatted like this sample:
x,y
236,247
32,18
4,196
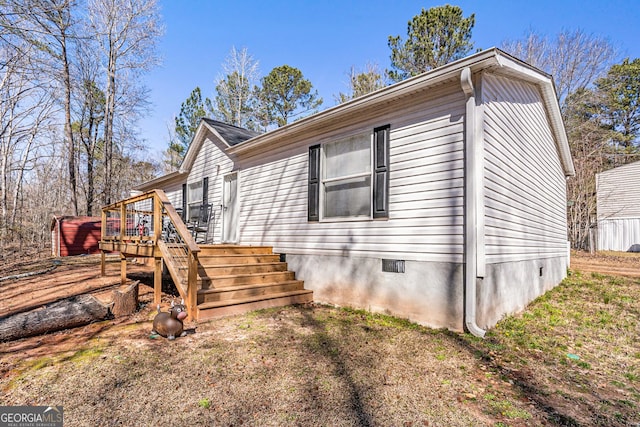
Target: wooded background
x,y
72,89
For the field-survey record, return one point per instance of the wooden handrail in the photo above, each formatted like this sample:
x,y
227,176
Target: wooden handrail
x,y
177,222
161,207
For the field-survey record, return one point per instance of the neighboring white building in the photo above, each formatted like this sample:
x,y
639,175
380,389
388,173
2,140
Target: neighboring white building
x,y
441,199
618,206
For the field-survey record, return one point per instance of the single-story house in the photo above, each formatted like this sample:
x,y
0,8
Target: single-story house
x,y
441,199
618,208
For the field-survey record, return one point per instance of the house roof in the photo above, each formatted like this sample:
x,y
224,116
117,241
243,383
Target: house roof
x,y
227,134
490,59
232,135
239,141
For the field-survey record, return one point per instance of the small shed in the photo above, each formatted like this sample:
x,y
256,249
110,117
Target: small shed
x,y
618,207
75,235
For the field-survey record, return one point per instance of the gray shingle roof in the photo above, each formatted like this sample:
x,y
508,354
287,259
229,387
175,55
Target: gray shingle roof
x,y
233,135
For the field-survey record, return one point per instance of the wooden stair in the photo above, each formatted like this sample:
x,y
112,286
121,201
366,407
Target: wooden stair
x,y
237,279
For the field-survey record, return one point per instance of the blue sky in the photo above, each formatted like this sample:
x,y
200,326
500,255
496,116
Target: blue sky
x,y
325,38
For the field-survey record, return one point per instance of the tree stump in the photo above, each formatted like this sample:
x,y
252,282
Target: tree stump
x,y
64,314
125,300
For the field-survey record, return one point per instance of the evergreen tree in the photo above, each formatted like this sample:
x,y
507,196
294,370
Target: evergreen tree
x,y
620,108
191,111
285,94
435,37
362,83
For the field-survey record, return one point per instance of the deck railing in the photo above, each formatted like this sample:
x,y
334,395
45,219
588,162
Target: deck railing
x,y
150,221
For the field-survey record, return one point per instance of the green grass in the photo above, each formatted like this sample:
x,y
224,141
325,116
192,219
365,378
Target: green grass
x,y
204,403
576,337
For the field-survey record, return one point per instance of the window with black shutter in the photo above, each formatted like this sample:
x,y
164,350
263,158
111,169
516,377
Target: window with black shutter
x,y
349,177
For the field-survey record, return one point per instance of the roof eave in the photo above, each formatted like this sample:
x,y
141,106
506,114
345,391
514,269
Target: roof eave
x,y
422,81
161,181
196,144
479,61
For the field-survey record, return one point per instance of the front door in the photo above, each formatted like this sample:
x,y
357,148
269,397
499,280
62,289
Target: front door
x,y
230,208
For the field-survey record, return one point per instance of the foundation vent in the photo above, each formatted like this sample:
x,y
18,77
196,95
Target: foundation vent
x,y
393,265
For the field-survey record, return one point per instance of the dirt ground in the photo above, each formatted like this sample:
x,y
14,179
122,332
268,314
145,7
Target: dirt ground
x,y
615,263
305,365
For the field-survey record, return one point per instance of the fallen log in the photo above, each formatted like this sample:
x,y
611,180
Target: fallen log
x,y
125,300
64,314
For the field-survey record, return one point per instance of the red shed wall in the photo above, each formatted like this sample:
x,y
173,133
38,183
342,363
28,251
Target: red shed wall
x,y
76,235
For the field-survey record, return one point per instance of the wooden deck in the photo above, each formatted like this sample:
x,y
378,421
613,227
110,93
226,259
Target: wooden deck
x,y
214,280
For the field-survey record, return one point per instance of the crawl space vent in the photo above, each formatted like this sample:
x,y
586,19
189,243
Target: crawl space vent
x,y
393,265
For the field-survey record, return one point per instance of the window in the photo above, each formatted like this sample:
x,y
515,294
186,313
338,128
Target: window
x,y
346,177
349,177
196,196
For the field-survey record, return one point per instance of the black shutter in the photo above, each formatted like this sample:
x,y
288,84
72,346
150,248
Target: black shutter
x,y
184,201
314,184
205,191
381,172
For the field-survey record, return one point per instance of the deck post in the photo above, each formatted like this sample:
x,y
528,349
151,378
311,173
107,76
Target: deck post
x,y
157,281
103,257
157,218
192,286
123,269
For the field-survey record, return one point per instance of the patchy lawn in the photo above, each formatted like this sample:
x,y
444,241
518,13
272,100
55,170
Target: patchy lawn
x,y
572,358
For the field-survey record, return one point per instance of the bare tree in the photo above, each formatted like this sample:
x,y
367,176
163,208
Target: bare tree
x,y
25,113
127,31
89,113
574,58
234,89
48,26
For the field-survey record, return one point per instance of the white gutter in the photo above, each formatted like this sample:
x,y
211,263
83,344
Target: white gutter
x,y
474,217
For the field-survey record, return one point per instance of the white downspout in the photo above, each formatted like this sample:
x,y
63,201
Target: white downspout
x,y
472,209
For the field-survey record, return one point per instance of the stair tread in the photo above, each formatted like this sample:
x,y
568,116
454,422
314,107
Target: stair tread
x,y
233,276
232,256
246,286
232,246
247,300
253,264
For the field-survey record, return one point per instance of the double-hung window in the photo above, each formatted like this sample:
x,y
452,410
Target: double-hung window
x,y
194,196
348,177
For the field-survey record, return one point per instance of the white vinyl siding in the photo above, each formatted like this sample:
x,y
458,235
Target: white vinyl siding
x,y
174,194
620,234
212,162
425,195
525,189
618,194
